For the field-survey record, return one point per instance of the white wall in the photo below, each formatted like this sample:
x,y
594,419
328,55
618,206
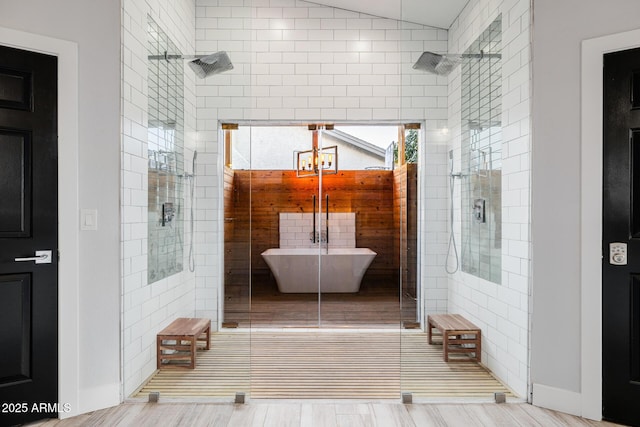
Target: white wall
x,y
560,27
252,148
147,308
433,205
297,61
500,310
95,344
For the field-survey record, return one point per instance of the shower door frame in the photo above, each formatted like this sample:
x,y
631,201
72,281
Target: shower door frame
x,y
223,159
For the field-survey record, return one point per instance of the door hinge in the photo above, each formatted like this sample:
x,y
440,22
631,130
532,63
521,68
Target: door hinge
x,y
58,255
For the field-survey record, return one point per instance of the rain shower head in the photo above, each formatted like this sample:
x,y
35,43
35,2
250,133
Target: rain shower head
x,y
435,63
442,65
203,66
215,63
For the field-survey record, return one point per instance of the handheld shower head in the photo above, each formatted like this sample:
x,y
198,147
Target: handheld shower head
x,y
192,186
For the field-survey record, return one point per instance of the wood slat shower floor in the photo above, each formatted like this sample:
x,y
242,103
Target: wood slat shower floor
x,y
324,364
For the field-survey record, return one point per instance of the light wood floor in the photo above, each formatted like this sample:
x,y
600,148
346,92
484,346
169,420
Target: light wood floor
x,y
374,307
304,310
309,414
324,364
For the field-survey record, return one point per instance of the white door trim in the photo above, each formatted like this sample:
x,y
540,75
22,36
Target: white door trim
x,y
68,206
591,213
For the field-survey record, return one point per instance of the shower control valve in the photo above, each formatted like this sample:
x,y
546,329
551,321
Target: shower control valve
x,y
318,237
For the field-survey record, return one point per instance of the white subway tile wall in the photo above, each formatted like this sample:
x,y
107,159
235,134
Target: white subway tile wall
x,y
298,61
500,310
433,227
147,308
296,230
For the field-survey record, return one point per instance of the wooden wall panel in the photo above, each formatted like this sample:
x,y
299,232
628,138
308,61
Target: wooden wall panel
x,y
236,245
405,205
412,228
261,195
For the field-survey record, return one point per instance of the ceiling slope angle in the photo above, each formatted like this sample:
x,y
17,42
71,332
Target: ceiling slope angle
x,y
433,13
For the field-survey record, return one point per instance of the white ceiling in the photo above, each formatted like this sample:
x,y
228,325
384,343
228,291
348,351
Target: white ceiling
x,y
434,13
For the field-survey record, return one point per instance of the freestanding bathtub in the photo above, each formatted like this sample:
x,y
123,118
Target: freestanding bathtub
x,y
296,269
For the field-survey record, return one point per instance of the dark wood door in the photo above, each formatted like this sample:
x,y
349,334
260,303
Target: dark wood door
x,y
621,238
28,225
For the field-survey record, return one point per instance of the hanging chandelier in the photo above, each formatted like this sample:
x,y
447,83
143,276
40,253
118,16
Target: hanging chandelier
x,y
317,160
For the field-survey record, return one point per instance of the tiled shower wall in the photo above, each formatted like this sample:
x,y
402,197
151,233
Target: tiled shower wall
x,y
165,147
147,308
297,61
433,240
500,310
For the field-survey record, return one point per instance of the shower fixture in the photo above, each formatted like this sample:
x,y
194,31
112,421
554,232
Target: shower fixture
x,y
211,64
442,65
452,238
202,65
192,184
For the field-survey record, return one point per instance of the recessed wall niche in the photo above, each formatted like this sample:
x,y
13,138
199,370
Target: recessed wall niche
x,y
482,155
166,155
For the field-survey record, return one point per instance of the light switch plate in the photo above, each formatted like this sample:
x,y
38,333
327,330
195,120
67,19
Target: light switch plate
x,y
89,219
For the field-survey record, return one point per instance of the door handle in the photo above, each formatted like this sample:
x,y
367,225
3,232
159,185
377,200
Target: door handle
x,y
42,257
618,253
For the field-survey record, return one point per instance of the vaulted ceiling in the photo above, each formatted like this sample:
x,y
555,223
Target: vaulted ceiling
x,y
434,13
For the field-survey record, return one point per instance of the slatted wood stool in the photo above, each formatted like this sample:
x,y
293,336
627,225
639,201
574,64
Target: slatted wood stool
x,y
177,343
458,336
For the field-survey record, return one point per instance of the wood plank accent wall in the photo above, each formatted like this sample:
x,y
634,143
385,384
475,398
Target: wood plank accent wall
x,y
236,245
259,196
405,212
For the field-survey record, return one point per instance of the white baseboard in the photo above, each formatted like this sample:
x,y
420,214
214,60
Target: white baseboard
x,y
557,399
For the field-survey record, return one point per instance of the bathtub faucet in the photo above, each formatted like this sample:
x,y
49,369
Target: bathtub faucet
x,y
318,237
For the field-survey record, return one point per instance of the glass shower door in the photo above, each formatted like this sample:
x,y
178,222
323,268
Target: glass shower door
x,y
320,263
356,349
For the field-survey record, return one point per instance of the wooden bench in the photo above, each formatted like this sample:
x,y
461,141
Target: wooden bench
x,y
458,336
177,343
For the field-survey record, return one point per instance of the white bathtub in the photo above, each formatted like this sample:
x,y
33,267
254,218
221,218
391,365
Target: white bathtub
x,y
296,269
